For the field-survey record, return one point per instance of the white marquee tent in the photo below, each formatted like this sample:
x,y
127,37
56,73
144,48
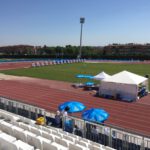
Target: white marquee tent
x,y
124,83
101,76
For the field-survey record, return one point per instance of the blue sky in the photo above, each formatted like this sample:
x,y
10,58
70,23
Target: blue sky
x,y
56,22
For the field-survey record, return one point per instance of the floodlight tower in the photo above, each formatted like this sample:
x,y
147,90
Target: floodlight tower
x,y
82,20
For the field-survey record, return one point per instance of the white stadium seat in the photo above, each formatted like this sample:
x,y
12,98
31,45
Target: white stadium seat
x,y
69,138
19,133
6,127
7,137
63,142
23,146
7,145
82,143
30,137
56,146
57,134
48,130
77,147
36,131
25,126
44,142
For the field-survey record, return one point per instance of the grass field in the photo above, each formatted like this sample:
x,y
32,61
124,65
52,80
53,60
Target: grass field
x,y
67,72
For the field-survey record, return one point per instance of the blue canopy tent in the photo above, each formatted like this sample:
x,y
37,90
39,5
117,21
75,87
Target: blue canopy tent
x,y
95,115
74,106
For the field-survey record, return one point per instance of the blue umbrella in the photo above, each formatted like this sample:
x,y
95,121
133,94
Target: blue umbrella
x,y
73,105
95,115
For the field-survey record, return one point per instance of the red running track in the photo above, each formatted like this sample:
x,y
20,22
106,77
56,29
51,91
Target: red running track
x,y
14,65
132,116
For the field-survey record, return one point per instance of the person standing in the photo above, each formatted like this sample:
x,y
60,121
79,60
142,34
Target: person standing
x,y
94,133
68,126
58,120
65,111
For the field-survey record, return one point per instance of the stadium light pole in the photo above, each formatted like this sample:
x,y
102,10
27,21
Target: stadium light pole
x,y
82,20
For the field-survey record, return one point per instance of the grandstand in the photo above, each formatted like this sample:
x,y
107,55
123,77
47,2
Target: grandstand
x,y
20,133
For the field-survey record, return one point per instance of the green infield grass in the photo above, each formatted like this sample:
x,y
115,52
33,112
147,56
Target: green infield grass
x,y
67,72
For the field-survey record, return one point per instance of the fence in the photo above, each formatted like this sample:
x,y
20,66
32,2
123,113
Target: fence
x,y
107,135
20,108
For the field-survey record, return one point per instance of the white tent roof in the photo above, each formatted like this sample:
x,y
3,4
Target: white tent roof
x,y
126,78
101,76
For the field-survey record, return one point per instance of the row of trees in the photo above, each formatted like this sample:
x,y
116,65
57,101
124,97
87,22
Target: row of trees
x,y
114,51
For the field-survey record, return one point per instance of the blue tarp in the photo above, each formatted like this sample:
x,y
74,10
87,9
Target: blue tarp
x,y
80,76
84,76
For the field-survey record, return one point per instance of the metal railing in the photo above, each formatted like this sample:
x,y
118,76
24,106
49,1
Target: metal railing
x,y
107,135
21,108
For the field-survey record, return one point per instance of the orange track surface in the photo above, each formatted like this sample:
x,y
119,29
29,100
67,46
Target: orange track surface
x,y
49,94
14,65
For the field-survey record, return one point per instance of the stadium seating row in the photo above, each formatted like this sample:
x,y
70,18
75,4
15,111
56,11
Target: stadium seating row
x,y
19,133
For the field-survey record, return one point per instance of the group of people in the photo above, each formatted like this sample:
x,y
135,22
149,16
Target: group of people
x,y
68,123
92,130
